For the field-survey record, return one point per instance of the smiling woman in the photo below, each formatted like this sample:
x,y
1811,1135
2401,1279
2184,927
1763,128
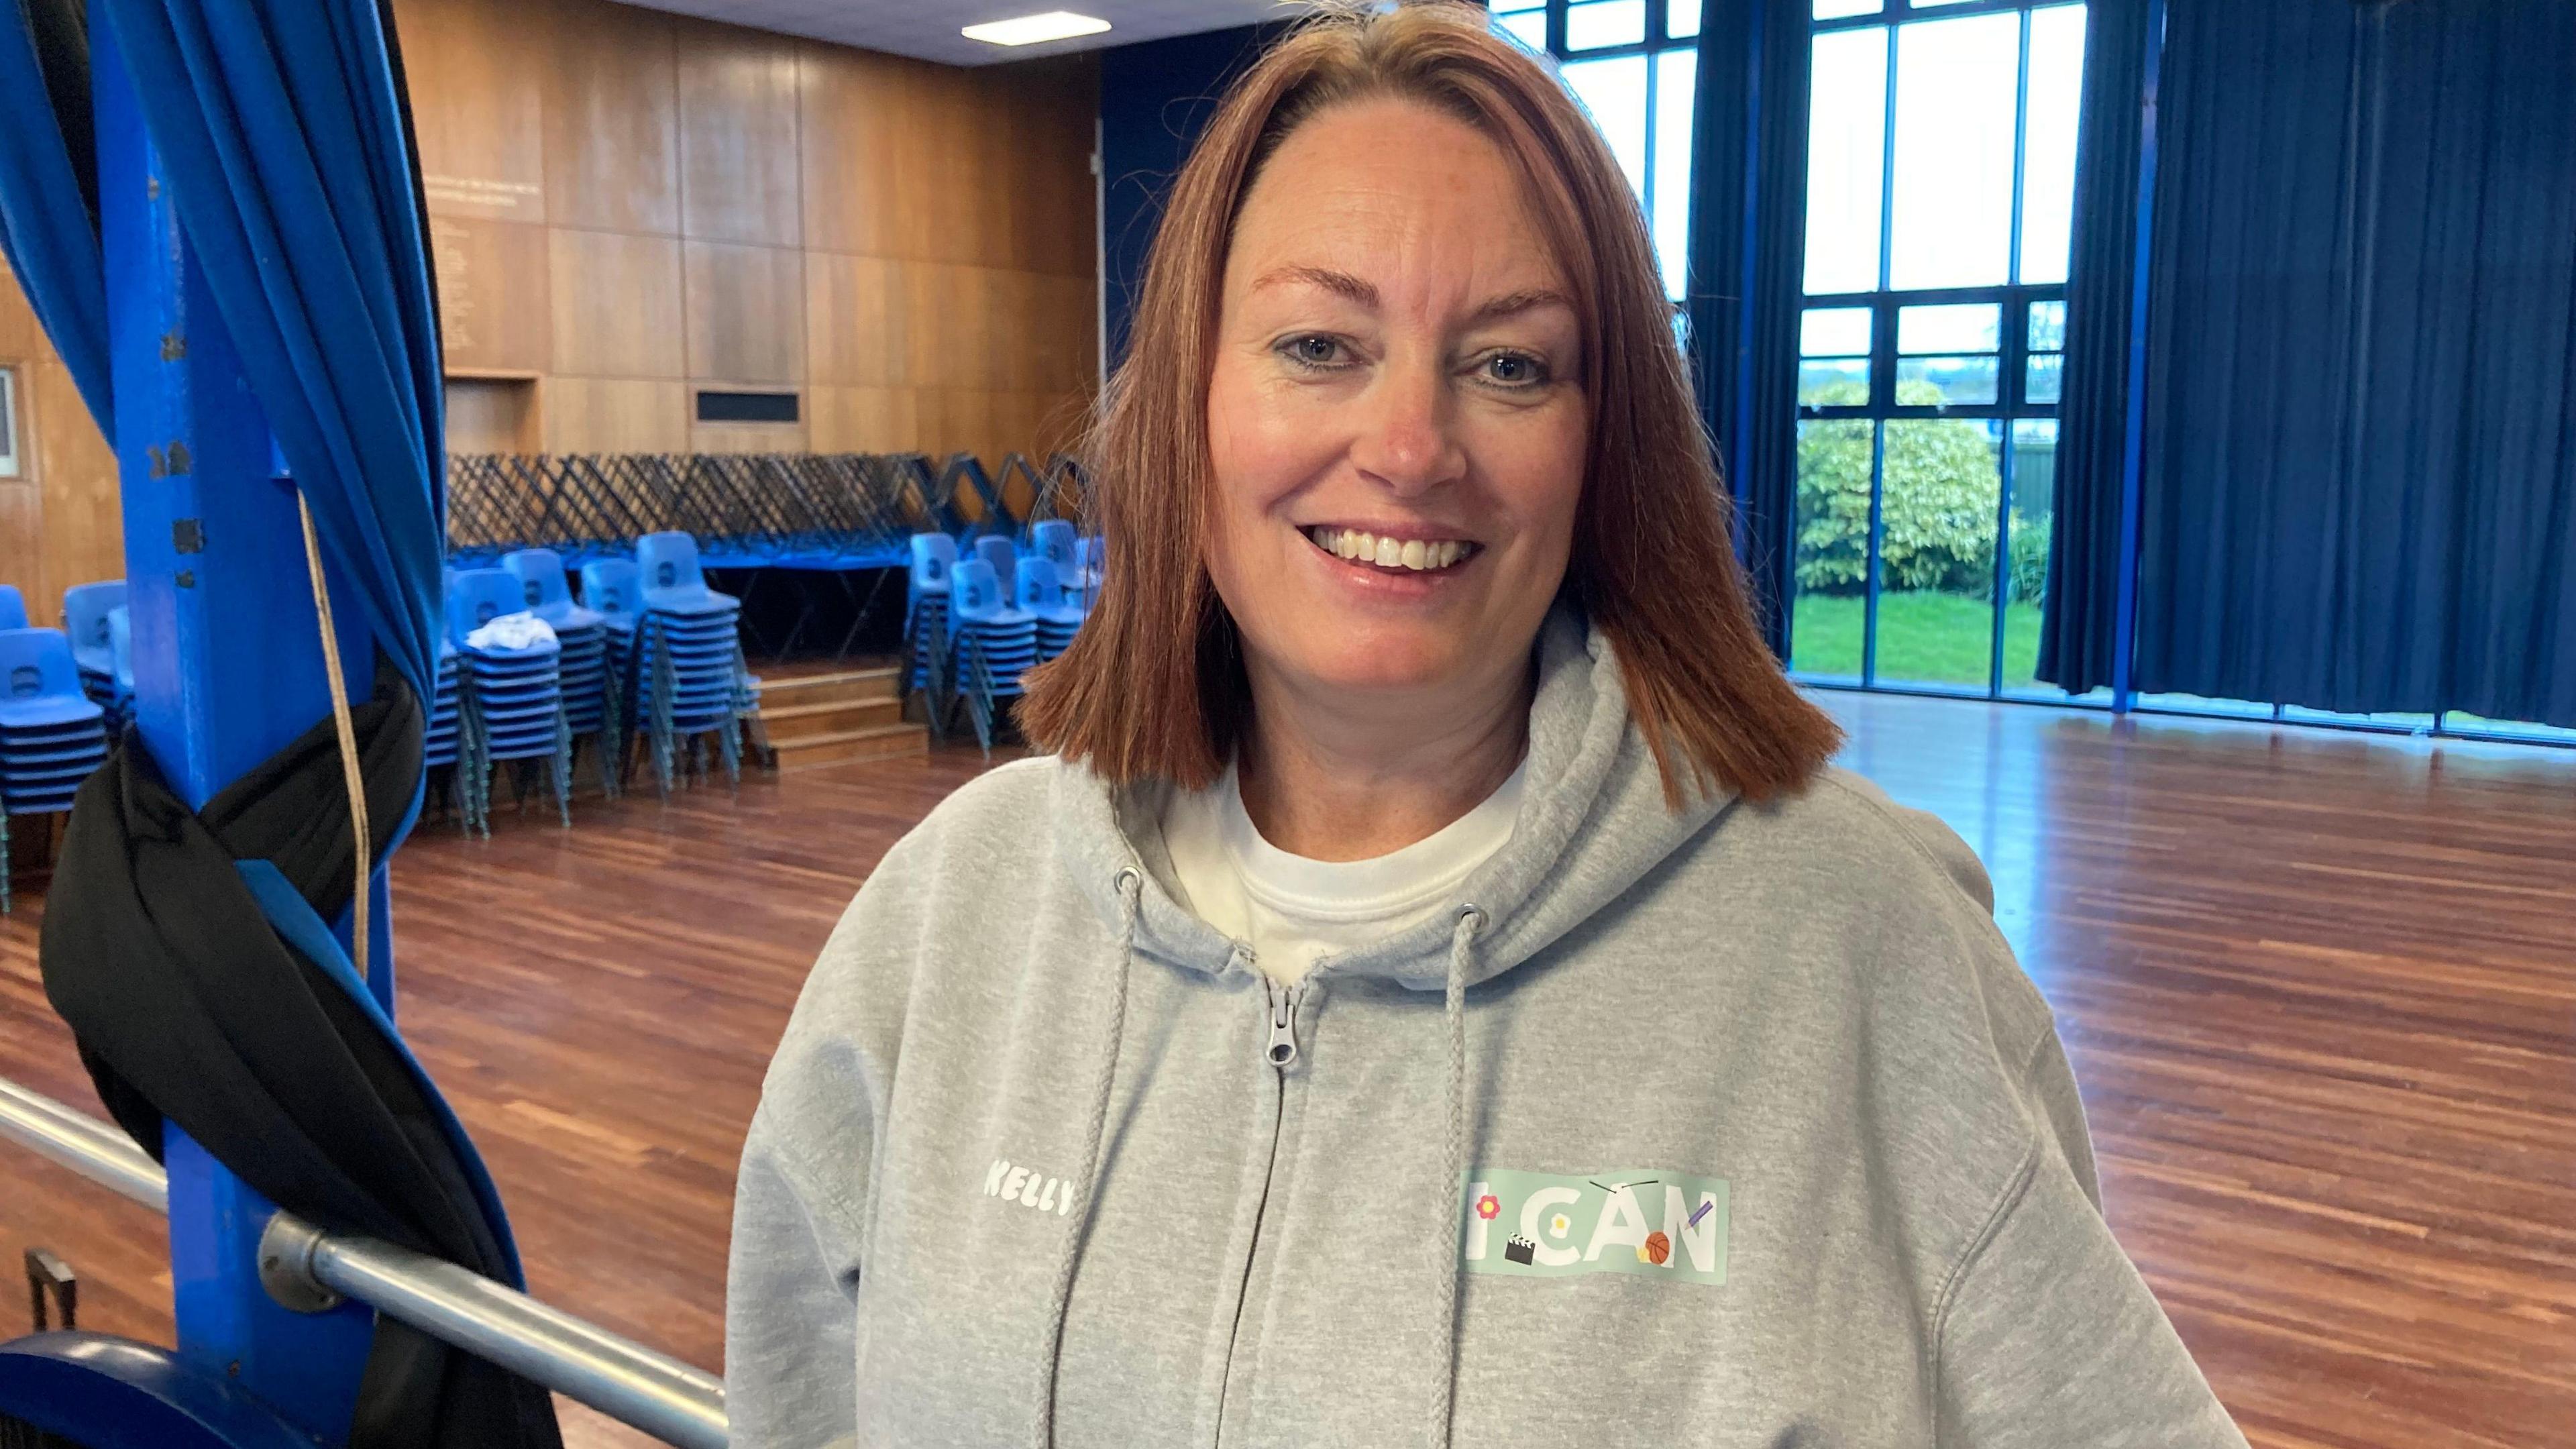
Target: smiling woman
x,y
1427,833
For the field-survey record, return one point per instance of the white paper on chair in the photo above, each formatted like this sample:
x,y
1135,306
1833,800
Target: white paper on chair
x,y
512,631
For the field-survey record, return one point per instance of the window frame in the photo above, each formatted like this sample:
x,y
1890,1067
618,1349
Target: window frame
x,y
2011,406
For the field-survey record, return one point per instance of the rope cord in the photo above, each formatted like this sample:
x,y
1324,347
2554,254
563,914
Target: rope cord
x,y
348,736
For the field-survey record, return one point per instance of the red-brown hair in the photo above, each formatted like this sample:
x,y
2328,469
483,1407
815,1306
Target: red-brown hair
x,y
1154,686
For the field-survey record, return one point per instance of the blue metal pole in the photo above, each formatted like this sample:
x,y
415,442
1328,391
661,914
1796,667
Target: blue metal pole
x,y
2124,626
227,669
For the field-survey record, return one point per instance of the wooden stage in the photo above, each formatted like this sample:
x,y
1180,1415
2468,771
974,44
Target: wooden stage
x,y
2320,990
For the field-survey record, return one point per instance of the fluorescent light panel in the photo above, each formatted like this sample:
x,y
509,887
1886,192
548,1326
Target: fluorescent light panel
x,y
1030,29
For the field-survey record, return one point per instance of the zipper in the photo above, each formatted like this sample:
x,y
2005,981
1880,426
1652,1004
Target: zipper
x,y
1279,1051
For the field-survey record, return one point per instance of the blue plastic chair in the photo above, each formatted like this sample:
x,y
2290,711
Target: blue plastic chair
x,y
1054,540
513,698
673,583
925,612
1041,594
13,607
85,609
590,693
990,625
52,735
689,674
996,550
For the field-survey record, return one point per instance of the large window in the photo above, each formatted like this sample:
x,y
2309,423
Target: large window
x,y
1940,195
1634,65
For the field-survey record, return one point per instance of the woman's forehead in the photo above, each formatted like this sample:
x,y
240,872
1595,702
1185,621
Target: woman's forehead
x,y
1399,196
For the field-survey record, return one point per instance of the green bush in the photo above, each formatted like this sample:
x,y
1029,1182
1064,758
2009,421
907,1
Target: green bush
x,y
1937,523
2028,567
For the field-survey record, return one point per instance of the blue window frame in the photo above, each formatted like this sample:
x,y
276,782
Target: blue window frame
x,y
1939,201
1634,64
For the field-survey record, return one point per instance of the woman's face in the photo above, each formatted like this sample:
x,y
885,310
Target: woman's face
x,y
1395,417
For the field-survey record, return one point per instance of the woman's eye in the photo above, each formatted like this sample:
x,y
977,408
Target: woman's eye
x,y
1514,369
1312,350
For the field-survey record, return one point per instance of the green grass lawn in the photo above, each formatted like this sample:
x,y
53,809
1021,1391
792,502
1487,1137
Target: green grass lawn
x,y
1923,638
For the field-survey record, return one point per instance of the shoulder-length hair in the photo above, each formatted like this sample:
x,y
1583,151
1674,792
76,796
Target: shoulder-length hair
x,y
1154,685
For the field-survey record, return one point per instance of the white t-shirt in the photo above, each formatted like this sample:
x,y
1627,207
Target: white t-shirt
x,y
1292,910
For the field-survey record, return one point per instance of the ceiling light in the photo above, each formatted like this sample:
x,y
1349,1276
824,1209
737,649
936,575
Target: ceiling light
x,y
1030,29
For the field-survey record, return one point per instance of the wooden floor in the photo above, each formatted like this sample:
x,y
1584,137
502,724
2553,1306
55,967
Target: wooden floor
x,y
2320,990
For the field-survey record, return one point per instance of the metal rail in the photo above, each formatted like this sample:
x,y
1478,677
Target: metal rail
x,y
622,1379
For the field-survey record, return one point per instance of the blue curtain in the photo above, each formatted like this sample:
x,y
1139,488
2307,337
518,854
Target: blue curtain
x,y
49,187
2360,486
282,128
1155,95
1747,257
2079,613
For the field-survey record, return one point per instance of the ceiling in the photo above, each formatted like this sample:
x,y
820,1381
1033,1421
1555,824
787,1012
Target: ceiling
x,y
927,29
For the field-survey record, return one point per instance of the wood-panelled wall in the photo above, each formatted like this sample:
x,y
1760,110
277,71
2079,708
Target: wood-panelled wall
x,y
59,520
629,205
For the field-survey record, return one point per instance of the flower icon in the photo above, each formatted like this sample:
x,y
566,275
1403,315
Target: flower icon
x,y
1489,1207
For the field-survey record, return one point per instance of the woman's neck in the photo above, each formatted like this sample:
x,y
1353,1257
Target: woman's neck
x,y
1342,779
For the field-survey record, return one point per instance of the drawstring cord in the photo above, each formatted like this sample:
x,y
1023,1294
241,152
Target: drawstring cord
x,y
1453,1166
1131,886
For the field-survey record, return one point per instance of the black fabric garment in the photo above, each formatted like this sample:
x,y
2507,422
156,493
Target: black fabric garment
x,y
187,1006
2079,609
60,30
2360,482
1747,260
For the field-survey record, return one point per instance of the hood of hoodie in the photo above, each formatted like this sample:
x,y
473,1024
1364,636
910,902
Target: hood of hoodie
x,y
1592,821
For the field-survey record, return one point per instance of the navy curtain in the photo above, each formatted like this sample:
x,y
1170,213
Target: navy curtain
x,y
1747,257
2360,488
1155,95
49,187
2078,638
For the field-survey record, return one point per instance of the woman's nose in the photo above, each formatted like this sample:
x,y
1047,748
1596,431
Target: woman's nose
x,y
1409,436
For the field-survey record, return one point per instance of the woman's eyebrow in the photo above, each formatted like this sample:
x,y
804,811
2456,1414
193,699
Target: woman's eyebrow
x,y
1513,303
1341,283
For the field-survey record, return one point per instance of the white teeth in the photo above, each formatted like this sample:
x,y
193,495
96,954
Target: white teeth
x,y
1363,547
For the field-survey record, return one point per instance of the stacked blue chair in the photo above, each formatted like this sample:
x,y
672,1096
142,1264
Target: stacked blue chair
x,y
85,611
996,643
1054,540
51,735
591,695
689,668
1041,594
513,696
614,590
1090,564
13,607
441,746
996,550
925,615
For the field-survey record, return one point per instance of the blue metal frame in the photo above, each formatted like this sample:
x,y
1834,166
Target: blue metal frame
x,y
226,671
111,1393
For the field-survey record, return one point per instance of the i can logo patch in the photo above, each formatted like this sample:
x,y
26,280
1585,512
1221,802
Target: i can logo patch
x,y
1540,1224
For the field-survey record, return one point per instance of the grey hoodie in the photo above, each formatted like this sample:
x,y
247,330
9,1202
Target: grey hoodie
x,y
1737,1126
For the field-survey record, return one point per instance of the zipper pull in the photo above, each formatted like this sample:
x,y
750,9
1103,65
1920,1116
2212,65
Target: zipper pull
x,y
1283,1025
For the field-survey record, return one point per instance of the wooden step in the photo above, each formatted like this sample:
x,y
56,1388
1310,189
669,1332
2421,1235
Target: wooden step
x,y
876,742
797,691
827,717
